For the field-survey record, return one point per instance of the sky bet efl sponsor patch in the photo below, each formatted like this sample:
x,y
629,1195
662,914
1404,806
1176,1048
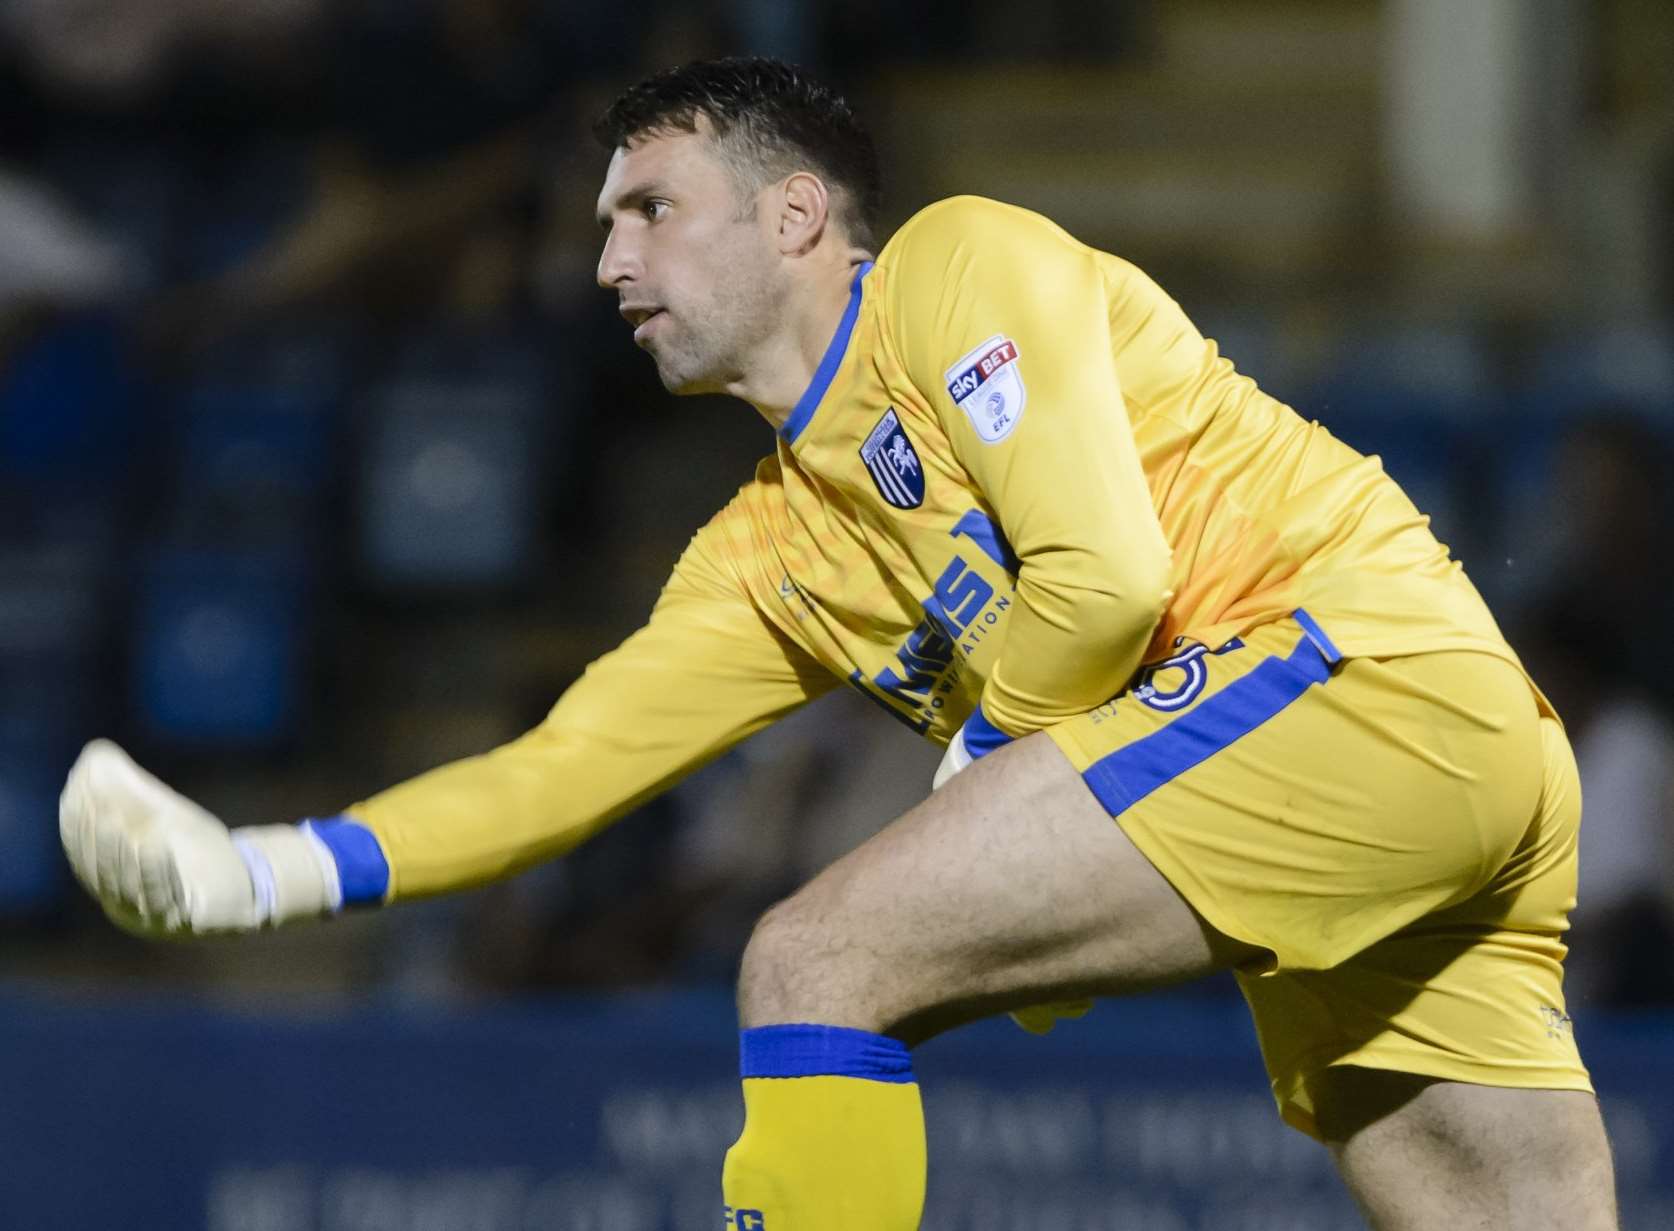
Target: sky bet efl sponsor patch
x,y
989,388
894,463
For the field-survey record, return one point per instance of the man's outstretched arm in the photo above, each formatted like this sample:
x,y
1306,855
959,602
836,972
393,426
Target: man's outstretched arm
x,y
705,672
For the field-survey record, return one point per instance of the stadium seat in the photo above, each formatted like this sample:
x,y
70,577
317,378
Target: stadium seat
x,y
448,488
219,648
1627,363
255,435
69,402
253,461
453,463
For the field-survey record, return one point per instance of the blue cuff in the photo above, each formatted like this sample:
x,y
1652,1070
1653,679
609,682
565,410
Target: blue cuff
x,y
805,1050
982,736
361,866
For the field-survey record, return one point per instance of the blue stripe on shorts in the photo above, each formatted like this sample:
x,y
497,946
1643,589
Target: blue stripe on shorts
x,y
1126,776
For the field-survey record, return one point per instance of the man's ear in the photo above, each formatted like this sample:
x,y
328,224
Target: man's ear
x,y
804,212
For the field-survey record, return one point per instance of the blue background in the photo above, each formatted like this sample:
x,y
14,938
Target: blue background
x,y
614,1114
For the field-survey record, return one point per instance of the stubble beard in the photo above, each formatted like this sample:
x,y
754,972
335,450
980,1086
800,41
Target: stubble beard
x,y
688,364
738,316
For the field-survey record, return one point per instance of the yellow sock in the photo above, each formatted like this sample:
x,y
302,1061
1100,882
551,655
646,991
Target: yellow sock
x,y
833,1134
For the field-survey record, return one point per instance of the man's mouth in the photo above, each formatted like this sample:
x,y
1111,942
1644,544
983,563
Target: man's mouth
x,y
640,318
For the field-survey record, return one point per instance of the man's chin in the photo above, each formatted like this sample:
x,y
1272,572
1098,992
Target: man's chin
x,y
683,384
676,384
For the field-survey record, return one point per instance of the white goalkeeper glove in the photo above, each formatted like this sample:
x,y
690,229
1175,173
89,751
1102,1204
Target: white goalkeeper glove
x,y
160,865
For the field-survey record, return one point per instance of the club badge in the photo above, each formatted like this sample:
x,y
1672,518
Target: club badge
x,y
893,463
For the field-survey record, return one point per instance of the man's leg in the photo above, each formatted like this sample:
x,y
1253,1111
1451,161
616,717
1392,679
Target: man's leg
x,y
1419,1153
1009,887
1439,1063
1315,814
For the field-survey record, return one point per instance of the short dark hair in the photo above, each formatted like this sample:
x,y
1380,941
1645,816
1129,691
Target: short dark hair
x,y
770,118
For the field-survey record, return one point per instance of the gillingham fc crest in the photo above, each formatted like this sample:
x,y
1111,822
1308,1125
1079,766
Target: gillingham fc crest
x,y
893,463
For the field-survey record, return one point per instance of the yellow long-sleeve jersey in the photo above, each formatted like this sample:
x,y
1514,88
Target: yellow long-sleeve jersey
x,y
1019,473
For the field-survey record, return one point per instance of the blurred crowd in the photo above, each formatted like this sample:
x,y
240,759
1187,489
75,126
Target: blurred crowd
x,y
322,460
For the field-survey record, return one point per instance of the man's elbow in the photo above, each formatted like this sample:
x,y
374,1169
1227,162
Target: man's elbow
x,y
1120,600
1140,603
1134,599
1141,585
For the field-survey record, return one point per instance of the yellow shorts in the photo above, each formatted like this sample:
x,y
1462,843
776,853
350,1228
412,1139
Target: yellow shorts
x,y
1398,833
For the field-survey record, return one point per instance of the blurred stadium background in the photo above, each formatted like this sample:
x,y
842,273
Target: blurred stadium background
x,y
322,461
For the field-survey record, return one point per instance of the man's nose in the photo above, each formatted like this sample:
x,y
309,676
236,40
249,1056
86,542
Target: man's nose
x,y
618,263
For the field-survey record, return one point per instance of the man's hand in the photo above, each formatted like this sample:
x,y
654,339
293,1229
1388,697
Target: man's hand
x,y
160,865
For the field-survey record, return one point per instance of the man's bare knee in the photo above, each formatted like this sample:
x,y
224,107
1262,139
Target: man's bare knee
x,y
799,968
766,970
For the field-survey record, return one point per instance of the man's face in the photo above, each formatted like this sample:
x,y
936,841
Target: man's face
x,y
695,271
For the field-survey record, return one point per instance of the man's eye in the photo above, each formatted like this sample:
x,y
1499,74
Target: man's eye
x,y
654,209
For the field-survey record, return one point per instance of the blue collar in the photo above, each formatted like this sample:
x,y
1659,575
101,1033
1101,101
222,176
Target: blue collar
x,y
805,406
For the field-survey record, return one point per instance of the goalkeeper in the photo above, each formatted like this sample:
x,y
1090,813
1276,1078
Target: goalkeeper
x,y
1213,697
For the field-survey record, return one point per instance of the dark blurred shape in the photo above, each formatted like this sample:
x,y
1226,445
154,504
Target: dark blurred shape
x,y
71,409
1622,943
1423,397
870,33
1664,208
411,81
1607,502
53,616
1593,641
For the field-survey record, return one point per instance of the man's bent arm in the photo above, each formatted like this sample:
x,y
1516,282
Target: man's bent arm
x,y
1002,321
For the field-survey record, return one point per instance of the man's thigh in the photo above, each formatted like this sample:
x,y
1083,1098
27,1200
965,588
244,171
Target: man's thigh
x,y
1311,806
1399,837
1273,810
1013,886
1418,1153
1009,887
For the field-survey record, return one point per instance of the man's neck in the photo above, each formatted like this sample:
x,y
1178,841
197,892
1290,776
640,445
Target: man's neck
x,y
785,365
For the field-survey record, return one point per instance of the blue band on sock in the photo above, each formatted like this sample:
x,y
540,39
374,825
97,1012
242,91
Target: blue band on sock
x,y
803,1050
361,866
